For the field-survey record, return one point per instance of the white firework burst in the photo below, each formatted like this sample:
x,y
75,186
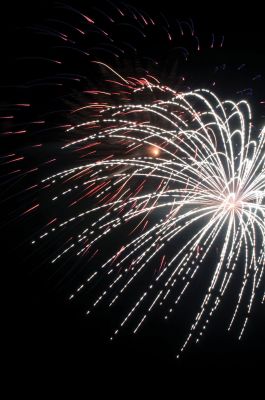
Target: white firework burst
x,y
188,174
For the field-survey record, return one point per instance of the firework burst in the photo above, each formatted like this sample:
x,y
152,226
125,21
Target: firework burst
x,y
203,184
156,182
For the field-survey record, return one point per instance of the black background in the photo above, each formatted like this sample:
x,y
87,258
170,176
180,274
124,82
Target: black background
x,y
48,337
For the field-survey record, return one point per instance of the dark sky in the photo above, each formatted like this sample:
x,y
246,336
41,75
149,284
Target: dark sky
x,y
45,330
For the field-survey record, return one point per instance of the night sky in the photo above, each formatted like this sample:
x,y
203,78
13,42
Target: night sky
x,y
44,329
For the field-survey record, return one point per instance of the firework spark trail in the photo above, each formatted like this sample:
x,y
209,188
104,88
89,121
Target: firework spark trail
x,y
205,186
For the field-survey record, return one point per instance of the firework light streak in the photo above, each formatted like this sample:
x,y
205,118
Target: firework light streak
x,y
192,176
